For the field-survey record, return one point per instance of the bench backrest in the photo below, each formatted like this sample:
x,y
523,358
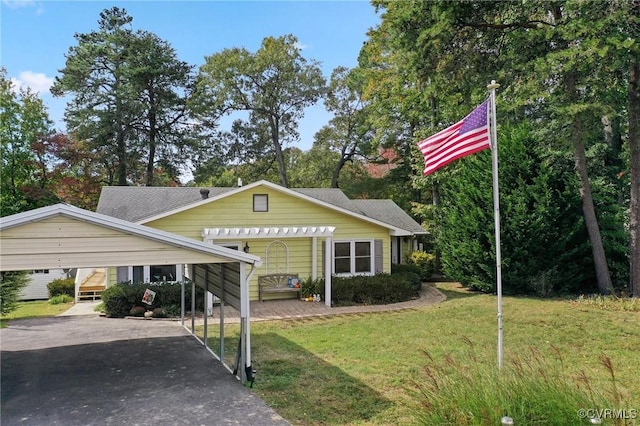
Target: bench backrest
x,y
275,280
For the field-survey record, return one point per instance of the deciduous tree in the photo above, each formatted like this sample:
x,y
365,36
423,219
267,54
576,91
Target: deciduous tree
x,y
273,85
24,122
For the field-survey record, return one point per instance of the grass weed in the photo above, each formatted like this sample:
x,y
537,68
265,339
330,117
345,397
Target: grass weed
x,y
610,303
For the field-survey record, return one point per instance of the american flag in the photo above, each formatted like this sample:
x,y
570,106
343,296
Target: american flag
x,y
466,137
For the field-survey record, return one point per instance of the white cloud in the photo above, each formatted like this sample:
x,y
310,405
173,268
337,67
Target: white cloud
x,y
19,4
37,82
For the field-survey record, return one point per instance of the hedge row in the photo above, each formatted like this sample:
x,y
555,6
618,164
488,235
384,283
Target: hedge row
x,y
121,298
378,289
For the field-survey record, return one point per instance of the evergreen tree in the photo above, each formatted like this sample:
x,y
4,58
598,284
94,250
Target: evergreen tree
x,y
542,230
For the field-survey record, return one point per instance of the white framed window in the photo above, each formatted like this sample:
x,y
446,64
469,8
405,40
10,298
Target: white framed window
x,y
162,273
260,202
155,273
353,257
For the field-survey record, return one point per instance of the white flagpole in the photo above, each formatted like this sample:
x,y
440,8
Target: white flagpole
x,y
496,209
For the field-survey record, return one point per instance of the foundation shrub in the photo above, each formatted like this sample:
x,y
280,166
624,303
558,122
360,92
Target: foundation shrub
x,y
411,273
120,298
378,289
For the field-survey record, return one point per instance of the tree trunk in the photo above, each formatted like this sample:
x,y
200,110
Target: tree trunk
x,y
634,149
588,210
603,277
336,172
153,123
122,156
278,148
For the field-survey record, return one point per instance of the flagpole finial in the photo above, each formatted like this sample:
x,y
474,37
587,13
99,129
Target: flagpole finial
x,y
493,85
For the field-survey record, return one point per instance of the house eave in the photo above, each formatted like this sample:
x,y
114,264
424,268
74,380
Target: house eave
x,y
276,188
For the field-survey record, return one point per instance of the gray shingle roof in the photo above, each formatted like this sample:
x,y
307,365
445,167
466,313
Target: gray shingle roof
x,y
389,212
138,203
135,203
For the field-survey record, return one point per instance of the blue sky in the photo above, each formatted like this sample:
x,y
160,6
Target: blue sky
x,y
36,35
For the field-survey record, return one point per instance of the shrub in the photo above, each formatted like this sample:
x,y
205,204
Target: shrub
x,y
310,286
425,264
115,301
120,298
173,310
411,273
62,286
61,298
159,313
137,311
379,289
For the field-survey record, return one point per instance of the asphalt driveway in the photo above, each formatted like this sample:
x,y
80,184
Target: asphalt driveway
x,y
100,371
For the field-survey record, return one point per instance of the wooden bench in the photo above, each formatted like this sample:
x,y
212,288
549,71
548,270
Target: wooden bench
x,y
276,283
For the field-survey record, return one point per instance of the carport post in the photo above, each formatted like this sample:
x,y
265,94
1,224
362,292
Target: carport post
x,y
206,304
245,328
222,312
182,303
222,330
193,307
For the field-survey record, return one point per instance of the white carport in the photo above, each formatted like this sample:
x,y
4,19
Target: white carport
x,y
63,236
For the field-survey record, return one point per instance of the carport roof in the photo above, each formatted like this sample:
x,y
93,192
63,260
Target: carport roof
x,y
70,237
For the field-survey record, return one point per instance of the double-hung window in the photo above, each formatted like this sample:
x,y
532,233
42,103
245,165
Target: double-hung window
x,y
353,257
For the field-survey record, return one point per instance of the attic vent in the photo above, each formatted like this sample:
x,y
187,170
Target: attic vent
x,y
204,193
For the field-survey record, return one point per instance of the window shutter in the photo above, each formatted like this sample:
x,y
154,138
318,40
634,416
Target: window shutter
x,y
377,252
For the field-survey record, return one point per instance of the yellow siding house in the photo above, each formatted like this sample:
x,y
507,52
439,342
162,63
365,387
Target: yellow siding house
x,y
311,232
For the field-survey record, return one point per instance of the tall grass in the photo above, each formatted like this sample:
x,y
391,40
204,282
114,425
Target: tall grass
x,y
610,303
531,388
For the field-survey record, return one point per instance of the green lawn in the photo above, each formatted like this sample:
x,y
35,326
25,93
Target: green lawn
x,y
367,369
39,308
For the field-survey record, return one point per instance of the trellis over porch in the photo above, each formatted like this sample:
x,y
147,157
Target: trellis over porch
x,y
222,235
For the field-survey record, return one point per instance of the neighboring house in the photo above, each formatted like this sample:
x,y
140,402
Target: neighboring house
x,y
311,232
383,168
37,288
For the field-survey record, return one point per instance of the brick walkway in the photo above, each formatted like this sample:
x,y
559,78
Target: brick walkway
x,y
294,308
